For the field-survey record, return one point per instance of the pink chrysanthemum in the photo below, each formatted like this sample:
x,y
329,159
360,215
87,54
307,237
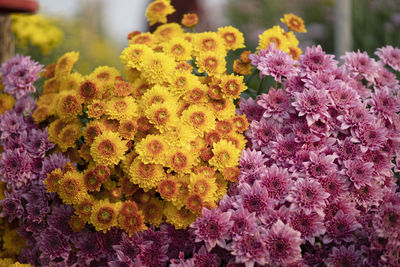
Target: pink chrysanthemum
x,y
243,222
282,244
389,56
309,195
384,104
347,150
313,104
283,149
261,133
370,136
367,195
334,184
355,117
251,160
344,97
359,172
309,225
276,104
387,221
315,59
212,228
360,64
249,248
340,228
16,168
320,80
344,204
344,257
277,182
251,109
254,198
320,165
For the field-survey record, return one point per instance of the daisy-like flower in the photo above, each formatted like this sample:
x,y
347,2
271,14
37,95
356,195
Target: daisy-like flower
x,y
261,132
343,256
108,148
384,104
359,172
334,184
104,215
158,11
294,22
360,64
309,225
233,38
225,154
249,248
53,244
212,228
344,97
320,165
313,104
340,228
251,160
276,104
315,59
388,220
273,35
309,195
370,136
254,198
16,168
277,182
243,222
199,118
390,56
282,244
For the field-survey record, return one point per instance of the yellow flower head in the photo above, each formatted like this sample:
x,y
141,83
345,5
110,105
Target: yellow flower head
x,y
180,135
180,159
224,127
190,20
231,174
52,180
212,63
76,223
68,135
121,108
152,149
194,203
181,82
158,11
147,176
145,38
180,218
139,87
108,148
133,223
232,86
84,207
96,109
225,155
133,55
166,32
223,109
55,129
157,94
65,64
273,35
127,129
241,67
179,48
153,211
71,82
207,42
196,94
71,188
240,123
91,181
157,68
105,76
122,88
90,90
237,139
233,38
51,85
104,215
200,118
6,102
203,186
163,115
294,22
12,242
69,105
168,188
92,130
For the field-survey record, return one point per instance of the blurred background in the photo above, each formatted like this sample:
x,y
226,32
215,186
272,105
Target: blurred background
x,y
99,28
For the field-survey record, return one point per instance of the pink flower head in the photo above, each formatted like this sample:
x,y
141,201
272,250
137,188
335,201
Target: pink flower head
x,y
367,195
320,80
277,182
347,150
254,198
344,257
15,168
262,132
243,221
387,221
389,56
251,109
283,149
276,104
276,63
251,160
344,204
355,117
370,136
344,97
309,225
360,65
384,104
249,248
334,184
315,59
312,103
282,244
303,132
320,165
294,84
212,228
386,79
359,172
340,228
309,195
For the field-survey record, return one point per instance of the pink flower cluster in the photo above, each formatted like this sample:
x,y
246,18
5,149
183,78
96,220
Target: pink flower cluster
x,y
318,184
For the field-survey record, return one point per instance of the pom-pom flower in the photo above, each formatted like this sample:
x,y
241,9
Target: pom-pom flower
x,y
108,148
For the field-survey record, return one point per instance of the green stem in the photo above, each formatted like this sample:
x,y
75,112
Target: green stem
x,y
260,87
249,78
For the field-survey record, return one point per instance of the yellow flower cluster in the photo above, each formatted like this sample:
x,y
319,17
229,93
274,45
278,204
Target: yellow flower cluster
x,y
286,41
156,148
6,101
37,31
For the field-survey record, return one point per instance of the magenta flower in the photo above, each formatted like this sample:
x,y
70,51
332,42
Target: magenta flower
x,y
343,97
384,104
276,104
309,225
387,220
334,184
15,168
370,136
389,56
359,172
243,221
360,65
261,133
340,228
282,244
212,228
277,182
320,165
251,160
249,248
254,198
313,104
251,109
53,244
344,257
314,59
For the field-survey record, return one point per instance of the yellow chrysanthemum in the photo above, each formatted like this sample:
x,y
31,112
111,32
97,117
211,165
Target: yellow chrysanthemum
x,y
294,51
96,109
140,87
168,188
205,187
105,76
225,155
231,174
180,159
196,94
152,149
181,82
233,38
65,64
147,176
89,90
153,211
122,88
158,11
180,135
68,135
223,109
180,218
69,105
157,68
294,22
92,130
52,180
133,55
208,42
55,129
157,94
71,188
179,48
133,223
243,68
237,139
121,108
108,148
145,38
6,102
83,208
240,123
200,118
71,82
273,35
232,85
190,20
168,31
12,242
212,63
6,262
104,215
51,85
163,115
127,129
131,74
222,186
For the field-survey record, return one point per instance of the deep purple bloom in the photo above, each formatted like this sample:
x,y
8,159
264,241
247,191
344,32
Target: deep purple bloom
x,y
16,167
340,228
53,244
37,142
309,225
344,257
249,248
277,182
11,206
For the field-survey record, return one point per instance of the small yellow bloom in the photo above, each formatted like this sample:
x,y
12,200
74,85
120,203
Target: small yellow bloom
x,y
152,149
121,108
200,118
104,215
180,218
158,11
153,211
232,86
71,188
108,148
233,38
273,35
6,102
190,20
205,187
168,31
147,176
179,48
294,22
225,155
65,64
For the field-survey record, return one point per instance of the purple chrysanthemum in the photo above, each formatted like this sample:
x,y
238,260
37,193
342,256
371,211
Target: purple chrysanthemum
x,y
53,244
16,168
309,225
261,132
282,244
340,228
314,59
277,182
204,259
152,254
52,162
360,64
276,104
37,142
251,109
359,172
251,160
254,198
390,56
320,165
334,184
344,257
11,206
212,228
249,248
243,221
11,123
19,76
370,136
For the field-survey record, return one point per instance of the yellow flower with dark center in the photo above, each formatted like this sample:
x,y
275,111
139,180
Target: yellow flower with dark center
x,y
157,68
133,223
71,82
179,159
51,85
212,63
163,115
127,129
179,218
203,186
68,135
65,64
223,109
294,22
273,35
153,211
208,42
190,20
55,129
121,108
240,123
108,148
104,215
96,109
147,176
6,102
152,149
90,90
71,188
179,48
69,105
181,82
225,155
158,11
52,180
145,38
233,38
200,118
92,130
237,139
133,55
168,31
84,207
168,188
232,86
